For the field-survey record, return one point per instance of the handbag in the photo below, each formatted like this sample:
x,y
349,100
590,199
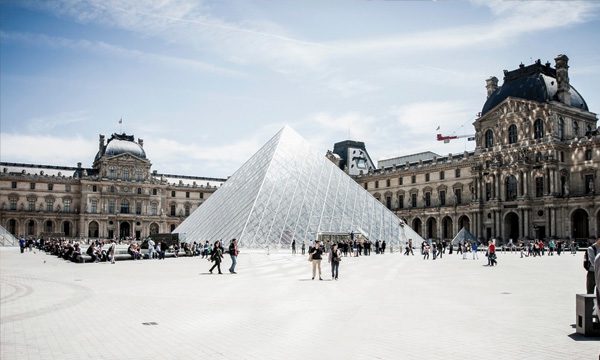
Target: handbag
x,y
310,257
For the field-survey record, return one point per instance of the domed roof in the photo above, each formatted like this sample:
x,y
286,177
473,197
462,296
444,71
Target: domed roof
x,y
536,82
122,144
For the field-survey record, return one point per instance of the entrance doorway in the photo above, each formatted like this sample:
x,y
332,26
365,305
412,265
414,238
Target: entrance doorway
x,y
67,228
511,226
464,222
580,224
417,225
124,230
431,228
447,228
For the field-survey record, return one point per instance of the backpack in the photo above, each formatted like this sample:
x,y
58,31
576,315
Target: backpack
x,y
586,261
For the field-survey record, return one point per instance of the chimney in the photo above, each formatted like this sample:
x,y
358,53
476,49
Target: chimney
x,y
141,142
79,165
491,85
563,91
101,142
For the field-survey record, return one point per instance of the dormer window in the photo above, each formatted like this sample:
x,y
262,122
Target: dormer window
x,y
489,139
512,134
538,129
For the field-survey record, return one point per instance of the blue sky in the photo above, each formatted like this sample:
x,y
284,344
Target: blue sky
x,y
205,84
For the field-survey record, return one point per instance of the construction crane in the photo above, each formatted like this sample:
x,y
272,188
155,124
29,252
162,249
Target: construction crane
x,y
446,139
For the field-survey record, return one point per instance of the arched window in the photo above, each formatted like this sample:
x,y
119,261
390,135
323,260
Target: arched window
x,y
575,128
489,139
538,129
561,128
512,134
511,188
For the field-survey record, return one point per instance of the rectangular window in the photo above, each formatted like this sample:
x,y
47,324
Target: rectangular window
x,y
32,186
366,185
111,206
125,174
488,191
427,199
187,211
138,208
13,204
539,186
387,182
13,185
376,184
401,202
442,198
49,204
68,187
589,184
50,186
458,196
31,205
413,200
154,192
67,205
112,173
173,210
457,173
172,193
388,202
94,206
94,188
124,207
138,175
588,154
400,181
413,179
426,177
442,175
187,194
201,195
154,209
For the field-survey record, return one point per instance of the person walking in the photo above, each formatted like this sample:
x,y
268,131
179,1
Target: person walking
x,y
588,264
383,246
425,248
315,253
294,247
233,253
151,248
22,245
335,256
110,254
492,254
216,256
303,248
474,246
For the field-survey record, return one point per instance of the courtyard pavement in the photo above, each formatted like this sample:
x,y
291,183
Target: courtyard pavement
x,y
383,307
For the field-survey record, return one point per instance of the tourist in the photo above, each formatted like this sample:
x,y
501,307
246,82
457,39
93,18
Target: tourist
x,y
597,266
588,264
294,247
335,256
573,247
110,254
474,246
376,247
303,248
464,250
425,250
440,249
434,250
216,256
91,251
315,254
459,249
383,245
22,245
233,252
151,248
559,247
492,254
551,245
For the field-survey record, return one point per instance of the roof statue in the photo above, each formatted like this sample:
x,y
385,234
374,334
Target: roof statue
x,y
462,236
288,191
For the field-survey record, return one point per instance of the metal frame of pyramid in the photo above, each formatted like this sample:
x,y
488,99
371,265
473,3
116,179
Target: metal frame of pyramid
x,y
288,191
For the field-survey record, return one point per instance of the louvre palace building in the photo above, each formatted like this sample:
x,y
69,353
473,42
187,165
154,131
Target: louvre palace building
x,y
118,197
533,173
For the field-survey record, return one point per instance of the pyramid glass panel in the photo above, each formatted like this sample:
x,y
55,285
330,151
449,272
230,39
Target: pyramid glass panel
x,y
288,191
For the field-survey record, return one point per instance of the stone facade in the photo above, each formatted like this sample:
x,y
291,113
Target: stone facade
x,y
119,197
533,174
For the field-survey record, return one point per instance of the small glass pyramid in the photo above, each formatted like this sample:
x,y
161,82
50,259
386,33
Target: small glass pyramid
x,y
288,191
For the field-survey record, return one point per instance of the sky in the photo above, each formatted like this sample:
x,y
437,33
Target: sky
x,y
207,83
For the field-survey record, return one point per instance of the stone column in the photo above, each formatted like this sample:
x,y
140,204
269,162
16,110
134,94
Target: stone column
x,y
525,184
552,181
526,222
549,221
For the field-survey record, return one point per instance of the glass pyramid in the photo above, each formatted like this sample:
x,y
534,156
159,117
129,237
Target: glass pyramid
x,y
288,191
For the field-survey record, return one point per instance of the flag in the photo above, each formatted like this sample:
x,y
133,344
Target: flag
x,y
120,120
437,128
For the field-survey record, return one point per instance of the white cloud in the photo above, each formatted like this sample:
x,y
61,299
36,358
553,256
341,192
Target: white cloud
x,y
52,122
114,50
47,149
